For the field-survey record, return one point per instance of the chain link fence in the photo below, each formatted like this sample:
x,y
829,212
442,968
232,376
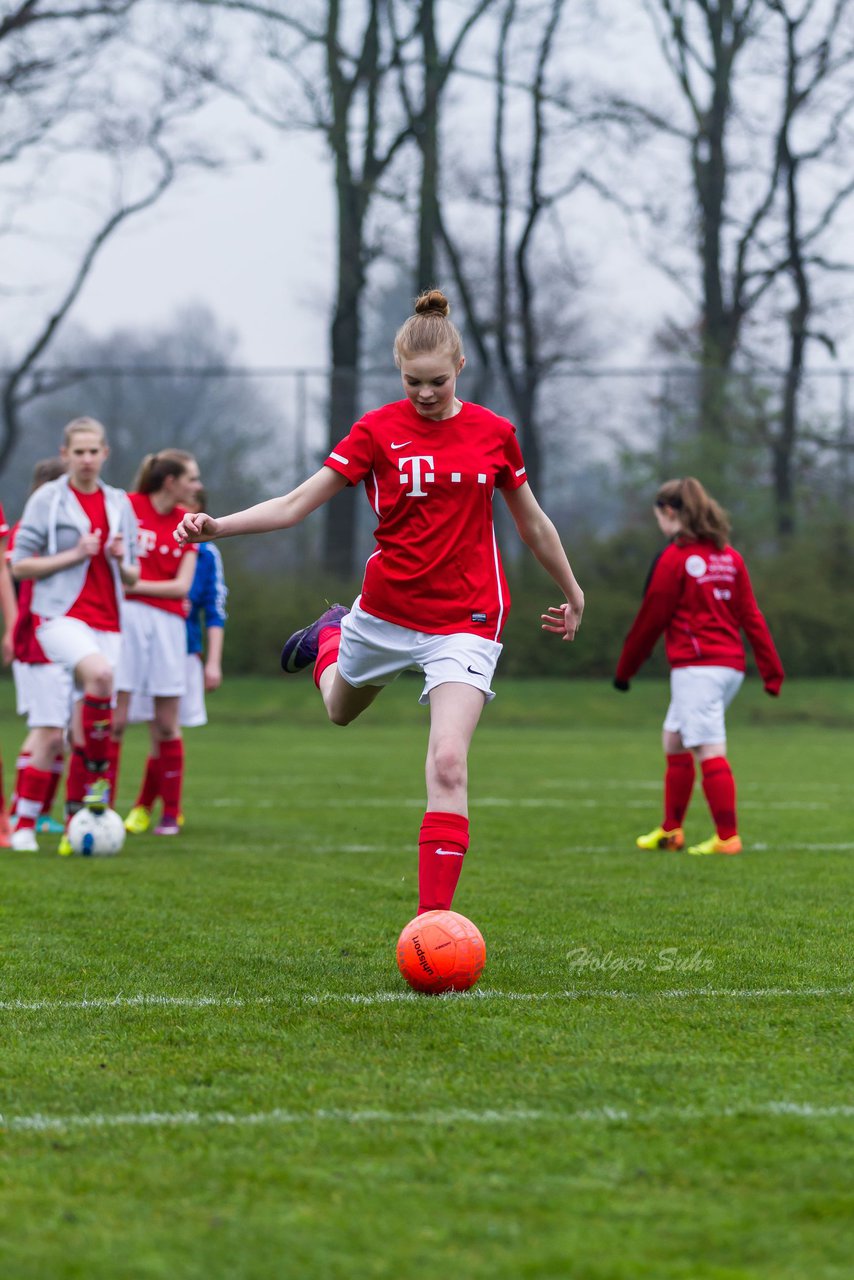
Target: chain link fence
x,y
606,437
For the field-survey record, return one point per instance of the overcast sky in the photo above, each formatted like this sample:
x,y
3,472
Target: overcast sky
x,y
257,244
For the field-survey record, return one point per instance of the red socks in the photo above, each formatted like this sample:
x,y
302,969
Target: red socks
x,y
97,716
328,644
56,771
33,787
442,844
76,780
150,789
171,775
678,785
719,788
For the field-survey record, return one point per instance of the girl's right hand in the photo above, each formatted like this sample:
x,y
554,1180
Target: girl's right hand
x,y
89,545
196,528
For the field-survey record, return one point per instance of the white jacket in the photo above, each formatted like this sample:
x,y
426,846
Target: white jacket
x,y
54,520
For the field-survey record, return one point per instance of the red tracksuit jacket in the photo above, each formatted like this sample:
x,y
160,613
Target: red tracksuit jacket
x,y
701,598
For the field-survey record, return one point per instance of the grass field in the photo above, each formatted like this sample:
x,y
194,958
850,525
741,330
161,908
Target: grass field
x,y
211,1068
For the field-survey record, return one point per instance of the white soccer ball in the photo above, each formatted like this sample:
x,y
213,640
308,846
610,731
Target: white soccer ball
x,y
96,834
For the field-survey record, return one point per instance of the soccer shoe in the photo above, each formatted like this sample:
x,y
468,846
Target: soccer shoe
x,y
661,839
97,798
24,840
64,848
167,826
138,820
715,845
48,826
300,650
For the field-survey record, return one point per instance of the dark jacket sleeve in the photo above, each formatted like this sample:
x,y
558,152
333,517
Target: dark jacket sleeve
x,y
661,597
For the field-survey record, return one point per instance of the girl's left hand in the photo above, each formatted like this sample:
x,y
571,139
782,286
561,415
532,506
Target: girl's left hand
x,y
562,620
116,546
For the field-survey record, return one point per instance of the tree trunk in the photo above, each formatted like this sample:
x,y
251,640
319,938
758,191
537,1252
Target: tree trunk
x,y
339,538
427,133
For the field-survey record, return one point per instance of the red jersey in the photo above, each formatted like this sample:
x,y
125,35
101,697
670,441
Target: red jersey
x,y
25,646
159,554
436,566
702,599
97,604
4,526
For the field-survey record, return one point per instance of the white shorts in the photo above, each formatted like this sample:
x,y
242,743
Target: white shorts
x,y
153,653
67,641
193,712
375,652
699,697
45,694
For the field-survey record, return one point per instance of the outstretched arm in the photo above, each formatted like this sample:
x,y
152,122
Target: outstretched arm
x,y
264,517
537,532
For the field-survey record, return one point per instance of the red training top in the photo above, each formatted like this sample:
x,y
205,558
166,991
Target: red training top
x,y
702,599
97,604
436,567
159,553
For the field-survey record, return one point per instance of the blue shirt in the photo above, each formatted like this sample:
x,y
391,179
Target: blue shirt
x,y
207,596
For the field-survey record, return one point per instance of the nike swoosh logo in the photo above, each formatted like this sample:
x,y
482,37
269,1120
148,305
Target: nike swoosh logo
x,y
476,673
401,446
448,853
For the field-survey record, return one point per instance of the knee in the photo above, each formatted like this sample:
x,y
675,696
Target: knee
x,y
447,765
166,732
99,683
337,715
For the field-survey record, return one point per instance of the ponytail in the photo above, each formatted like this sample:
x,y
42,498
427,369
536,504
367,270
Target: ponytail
x,y
155,467
701,517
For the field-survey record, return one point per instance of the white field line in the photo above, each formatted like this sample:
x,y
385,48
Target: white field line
x,y
410,997
40,1123
506,802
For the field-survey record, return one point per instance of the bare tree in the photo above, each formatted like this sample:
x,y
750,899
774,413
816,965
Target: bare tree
x,y
98,118
813,143
46,53
521,324
330,65
431,68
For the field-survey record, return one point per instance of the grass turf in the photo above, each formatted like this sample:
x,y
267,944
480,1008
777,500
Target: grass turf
x,y
211,1068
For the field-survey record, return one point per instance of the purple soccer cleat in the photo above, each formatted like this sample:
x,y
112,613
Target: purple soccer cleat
x,y
300,650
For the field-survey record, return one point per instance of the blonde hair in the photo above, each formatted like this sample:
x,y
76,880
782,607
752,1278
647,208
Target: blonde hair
x,y
700,516
428,330
155,467
76,425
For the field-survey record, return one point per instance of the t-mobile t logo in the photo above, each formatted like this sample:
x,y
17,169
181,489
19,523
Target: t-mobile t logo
x,y
417,474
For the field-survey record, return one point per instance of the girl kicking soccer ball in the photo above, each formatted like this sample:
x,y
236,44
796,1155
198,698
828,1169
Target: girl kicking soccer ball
x,y
699,595
434,597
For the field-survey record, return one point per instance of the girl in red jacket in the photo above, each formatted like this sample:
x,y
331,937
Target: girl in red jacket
x,y
699,594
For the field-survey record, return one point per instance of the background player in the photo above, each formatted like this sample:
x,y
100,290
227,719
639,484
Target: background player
x,y
154,661
44,693
434,596
699,594
77,541
207,598
10,612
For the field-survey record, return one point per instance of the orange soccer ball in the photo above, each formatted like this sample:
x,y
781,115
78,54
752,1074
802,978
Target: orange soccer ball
x,y
441,951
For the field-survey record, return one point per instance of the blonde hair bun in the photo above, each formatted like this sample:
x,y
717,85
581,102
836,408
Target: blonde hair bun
x,y
432,300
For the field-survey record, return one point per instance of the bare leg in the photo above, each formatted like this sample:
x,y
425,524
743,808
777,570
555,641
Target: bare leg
x,y
343,702
455,710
